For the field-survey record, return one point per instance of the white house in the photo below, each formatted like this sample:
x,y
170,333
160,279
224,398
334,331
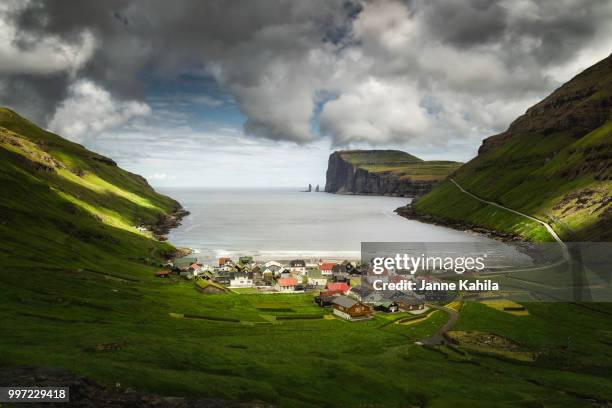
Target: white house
x,y
297,266
327,269
241,282
286,284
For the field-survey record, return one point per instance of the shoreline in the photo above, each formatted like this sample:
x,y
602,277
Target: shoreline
x,y
518,242
167,222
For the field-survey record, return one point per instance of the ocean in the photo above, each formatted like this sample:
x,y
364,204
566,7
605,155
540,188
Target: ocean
x,y
285,223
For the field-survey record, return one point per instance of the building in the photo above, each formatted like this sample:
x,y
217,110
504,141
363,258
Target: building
x,y
344,267
245,260
327,268
286,284
206,286
407,300
241,281
324,300
360,292
350,309
387,306
338,286
223,261
273,269
162,274
298,266
315,277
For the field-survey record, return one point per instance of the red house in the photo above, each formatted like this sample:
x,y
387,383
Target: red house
x,y
327,268
338,286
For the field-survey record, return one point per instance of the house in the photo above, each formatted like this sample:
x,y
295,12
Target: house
x,y
315,277
224,261
339,286
194,268
184,263
341,277
359,292
297,266
162,274
267,277
273,263
327,268
387,306
350,309
344,267
273,269
331,293
223,277
245,260
324,300
241,280
206,286
286,284
407,300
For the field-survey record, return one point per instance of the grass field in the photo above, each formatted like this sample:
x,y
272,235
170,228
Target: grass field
x,y
252,355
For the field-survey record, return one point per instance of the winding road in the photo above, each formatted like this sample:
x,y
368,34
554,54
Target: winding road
x,y
438,336
550,229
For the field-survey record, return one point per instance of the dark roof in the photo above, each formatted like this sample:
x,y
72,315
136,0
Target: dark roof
x,y
405,297
344,301
361,290
297,263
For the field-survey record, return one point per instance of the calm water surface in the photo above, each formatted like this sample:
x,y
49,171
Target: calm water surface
x,y
284,223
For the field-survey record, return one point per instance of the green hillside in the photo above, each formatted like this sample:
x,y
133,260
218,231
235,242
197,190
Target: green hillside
x,y
400,164
62,206
554,163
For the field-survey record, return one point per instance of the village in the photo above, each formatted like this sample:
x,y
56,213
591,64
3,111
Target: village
x,y
345,287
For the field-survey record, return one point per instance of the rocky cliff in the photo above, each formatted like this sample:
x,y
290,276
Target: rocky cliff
x,y
383,172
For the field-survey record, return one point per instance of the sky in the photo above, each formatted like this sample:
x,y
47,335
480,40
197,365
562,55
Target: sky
x,y
259,93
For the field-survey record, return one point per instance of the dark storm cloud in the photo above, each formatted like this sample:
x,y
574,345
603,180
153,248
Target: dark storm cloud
x,y
466,23
275,56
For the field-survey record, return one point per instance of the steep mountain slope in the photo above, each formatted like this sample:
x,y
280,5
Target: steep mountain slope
x,y
62,206
383,172
554,163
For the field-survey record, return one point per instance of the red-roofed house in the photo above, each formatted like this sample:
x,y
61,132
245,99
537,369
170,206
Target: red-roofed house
x,y
286,284
162,274
327,268
194,267
338,286
223,261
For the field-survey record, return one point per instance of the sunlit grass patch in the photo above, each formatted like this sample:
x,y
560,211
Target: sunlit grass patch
x,y
507,306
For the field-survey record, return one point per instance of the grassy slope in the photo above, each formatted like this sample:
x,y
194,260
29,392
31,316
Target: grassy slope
x,y
70,282
62,206
400,164
562,176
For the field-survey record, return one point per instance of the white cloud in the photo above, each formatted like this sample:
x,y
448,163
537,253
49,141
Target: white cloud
x,y
47,55
90,110
375,111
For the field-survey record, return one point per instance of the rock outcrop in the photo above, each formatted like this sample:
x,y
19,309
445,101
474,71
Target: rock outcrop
x,y
383,172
